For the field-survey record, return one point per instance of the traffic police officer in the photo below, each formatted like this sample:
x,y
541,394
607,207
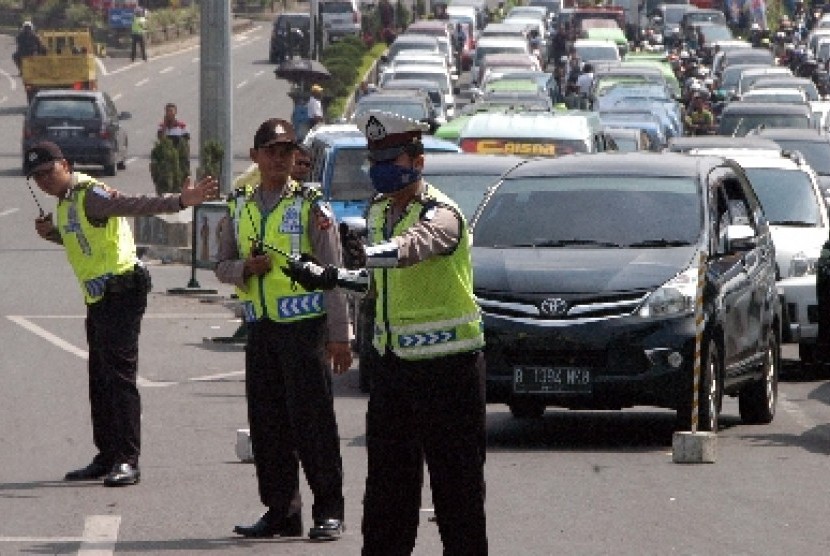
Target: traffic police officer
x,y
92,227
292,334
427,391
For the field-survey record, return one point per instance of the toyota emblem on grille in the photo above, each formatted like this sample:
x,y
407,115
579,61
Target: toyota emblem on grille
x,y
554,307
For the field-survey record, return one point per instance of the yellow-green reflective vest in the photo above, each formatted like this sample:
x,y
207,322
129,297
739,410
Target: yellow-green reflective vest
x,y
95,252
426,310
139,25
286,227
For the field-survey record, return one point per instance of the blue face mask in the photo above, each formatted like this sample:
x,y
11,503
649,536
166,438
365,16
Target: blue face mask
x,y
388,177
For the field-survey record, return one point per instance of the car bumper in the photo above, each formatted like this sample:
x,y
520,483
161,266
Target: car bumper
x,y
802,307
632,361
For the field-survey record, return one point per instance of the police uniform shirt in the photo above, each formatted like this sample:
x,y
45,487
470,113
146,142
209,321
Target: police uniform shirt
x,y
436,233
325,246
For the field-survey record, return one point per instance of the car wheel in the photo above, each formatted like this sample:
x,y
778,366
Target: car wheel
x,y
110,169
122,165
527,409
710,395
757,401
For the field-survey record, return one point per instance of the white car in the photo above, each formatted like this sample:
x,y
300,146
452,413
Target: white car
x,y
431,73
794,207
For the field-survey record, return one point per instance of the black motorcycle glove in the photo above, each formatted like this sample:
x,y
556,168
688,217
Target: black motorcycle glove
x,y
354,255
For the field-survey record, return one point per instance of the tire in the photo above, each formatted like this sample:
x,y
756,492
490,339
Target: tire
x,y
110,169
757,401
807,354
710,395
122,165
527,409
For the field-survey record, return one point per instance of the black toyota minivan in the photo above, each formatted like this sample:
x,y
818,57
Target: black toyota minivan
x,y
587,268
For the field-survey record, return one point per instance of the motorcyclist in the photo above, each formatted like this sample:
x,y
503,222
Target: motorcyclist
x,y
699,119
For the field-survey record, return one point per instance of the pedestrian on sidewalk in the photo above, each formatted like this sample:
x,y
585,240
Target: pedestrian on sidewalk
x,y
91,224
296,337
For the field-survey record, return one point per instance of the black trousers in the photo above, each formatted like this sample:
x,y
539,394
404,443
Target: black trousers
x,y
112,328
429,410
291,416
138,40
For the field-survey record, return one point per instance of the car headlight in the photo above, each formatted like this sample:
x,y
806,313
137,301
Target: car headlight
x,y
675,297
802,265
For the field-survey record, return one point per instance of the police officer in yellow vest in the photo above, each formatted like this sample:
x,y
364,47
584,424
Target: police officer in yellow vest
x,y
137,30
91,225
293,334
427,393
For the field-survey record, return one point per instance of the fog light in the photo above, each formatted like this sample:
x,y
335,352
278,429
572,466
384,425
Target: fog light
x,y
675,359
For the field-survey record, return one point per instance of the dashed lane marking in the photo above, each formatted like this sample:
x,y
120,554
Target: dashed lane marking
x,y
12,81
8,212
100,535
168,69
142,82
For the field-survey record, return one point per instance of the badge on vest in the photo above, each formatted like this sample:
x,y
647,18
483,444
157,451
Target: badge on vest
x,y
291,221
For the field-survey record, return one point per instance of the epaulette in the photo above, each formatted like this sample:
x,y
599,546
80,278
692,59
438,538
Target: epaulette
x,y
311,191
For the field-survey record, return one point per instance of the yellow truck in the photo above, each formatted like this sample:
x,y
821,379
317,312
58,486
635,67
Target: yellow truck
x,y
68,62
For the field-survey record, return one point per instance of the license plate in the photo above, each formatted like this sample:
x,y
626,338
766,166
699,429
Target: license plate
x,y
551,380
63,133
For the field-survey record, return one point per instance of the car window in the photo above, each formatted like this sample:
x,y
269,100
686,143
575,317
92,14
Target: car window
x,y
787,196
335,7
816,153
466,192
564,211
70,108
412,110
738,125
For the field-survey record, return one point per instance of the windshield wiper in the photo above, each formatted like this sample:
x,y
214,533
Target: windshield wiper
x,y
569,242
660,243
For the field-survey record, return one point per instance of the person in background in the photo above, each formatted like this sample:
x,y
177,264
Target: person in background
x,y
296,337
28,44
171,126
302,164
137,30
426,401
91,224
315,106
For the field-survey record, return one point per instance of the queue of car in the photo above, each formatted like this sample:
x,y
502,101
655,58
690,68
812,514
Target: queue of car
x,y
597,223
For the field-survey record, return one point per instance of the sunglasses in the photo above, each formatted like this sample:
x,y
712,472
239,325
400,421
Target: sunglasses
x,y
279,149
305,163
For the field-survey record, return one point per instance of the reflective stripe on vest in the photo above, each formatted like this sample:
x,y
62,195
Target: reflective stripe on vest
x,y
428,309
96,253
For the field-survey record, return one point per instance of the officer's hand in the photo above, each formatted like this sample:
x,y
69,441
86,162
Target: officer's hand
x,y
44,225
340,354
257,265
311,275
205,189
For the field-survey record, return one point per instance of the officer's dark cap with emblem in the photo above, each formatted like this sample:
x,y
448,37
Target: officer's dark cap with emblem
x,y
274,131
388,134
40,155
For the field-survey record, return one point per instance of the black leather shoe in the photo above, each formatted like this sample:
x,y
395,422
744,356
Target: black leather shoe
x,y
269,526
326,530
122,474
92,471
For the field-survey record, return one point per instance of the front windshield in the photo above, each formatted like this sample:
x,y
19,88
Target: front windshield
x,y
644,211
439,78
597,53
411,110
350,175
787,196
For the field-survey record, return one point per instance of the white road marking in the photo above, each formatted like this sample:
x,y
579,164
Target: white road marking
x,y
194,59
168,69
102,69
260,72
242,84
8,212
219,376
100,535
131,160
142,82
23,322
12,81
117,96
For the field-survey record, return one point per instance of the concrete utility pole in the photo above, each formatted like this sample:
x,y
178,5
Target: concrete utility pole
x,y
215,93
314,29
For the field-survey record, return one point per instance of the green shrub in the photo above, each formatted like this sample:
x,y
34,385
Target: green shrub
x,y
212,154
169,165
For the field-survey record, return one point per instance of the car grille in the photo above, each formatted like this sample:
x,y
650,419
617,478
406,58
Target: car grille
x,y
561,307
